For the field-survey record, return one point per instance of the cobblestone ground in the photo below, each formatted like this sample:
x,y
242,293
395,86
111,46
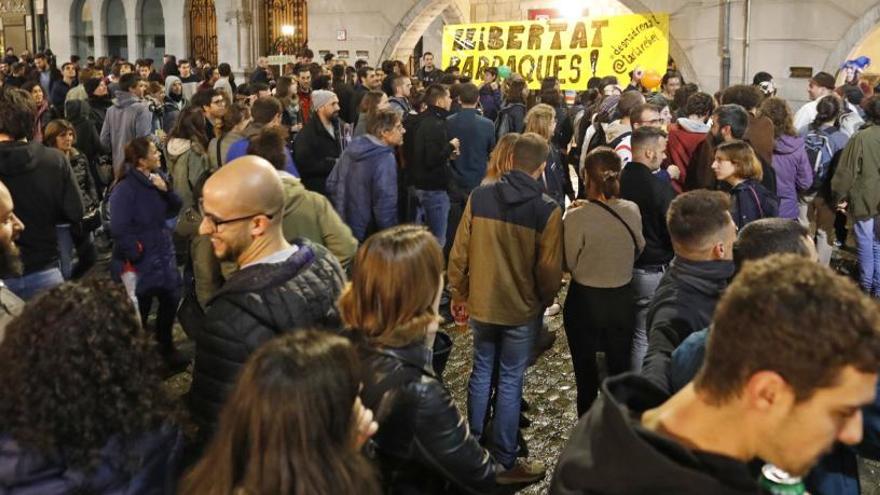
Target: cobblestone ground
x,y
550,390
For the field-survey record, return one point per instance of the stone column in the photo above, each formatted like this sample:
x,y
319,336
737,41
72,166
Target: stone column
x,y
133,27
99,23
240,23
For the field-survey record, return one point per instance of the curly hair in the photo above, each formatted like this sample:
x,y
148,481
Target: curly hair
x,y
79,370
778,111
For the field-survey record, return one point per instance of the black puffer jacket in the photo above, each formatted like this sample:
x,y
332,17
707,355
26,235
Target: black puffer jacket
x,y
424,445
256,304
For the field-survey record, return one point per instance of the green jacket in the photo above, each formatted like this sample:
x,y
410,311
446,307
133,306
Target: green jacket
x,y
189,168
857,179
311,215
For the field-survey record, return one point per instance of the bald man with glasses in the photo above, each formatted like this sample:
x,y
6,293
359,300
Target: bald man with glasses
x,y
279,287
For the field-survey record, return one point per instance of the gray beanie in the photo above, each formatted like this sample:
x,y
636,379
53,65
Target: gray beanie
x,y
320,98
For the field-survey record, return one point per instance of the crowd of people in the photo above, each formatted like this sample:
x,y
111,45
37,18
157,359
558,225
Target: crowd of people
x,y
313,229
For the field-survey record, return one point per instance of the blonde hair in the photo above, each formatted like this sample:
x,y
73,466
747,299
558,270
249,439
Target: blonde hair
x,y
745,163
540,120
394,283
501,158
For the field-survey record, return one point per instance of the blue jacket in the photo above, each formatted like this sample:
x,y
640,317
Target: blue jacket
x,y
363,186
138,211
157,455
477,136
239,149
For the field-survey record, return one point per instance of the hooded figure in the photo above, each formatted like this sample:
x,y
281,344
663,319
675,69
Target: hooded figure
x,y
174,102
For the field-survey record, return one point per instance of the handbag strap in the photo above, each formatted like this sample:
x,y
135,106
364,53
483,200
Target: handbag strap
x,y
618,217
757,201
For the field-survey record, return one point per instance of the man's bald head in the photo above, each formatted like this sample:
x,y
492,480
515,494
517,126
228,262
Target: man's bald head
x,y
243,205
247,185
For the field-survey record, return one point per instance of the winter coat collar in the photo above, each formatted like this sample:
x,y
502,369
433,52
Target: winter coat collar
x,y
706,277
415,354
259,277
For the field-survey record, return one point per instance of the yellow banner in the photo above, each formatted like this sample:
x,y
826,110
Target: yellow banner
x,y
572,50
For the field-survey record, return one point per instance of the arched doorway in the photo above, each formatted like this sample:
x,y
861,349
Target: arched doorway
x,y
83,42
152,30
115,30
203,30
278,13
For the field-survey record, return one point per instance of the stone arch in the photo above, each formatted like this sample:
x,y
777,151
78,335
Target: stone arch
x,y
82,21
115,22
866,24
408,31
200,27
151,29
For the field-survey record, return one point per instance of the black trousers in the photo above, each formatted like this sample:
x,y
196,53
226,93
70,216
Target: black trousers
x,y
164,315
598,320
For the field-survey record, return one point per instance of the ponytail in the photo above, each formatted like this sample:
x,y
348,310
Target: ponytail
x,y
602,168
828,110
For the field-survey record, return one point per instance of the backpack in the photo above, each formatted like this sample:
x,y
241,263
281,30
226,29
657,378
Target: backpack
x,y
188,172
818,147
598,138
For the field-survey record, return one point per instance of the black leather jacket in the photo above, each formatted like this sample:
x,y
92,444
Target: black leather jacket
x,y
423,443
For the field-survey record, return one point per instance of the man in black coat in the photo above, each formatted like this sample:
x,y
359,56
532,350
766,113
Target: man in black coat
x,y
279,287
43,189
319,144
703,233
428,169
652,194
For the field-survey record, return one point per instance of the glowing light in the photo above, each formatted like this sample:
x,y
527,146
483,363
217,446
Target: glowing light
x,y
571,9
287,30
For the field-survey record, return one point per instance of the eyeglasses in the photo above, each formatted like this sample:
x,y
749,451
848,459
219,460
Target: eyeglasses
x,y
215,222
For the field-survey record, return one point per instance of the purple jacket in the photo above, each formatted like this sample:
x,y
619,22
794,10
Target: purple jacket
x,y
794,174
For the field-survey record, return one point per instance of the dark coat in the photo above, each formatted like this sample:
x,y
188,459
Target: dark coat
x,y
683,304
610,452
752,201
157,455
423,443
517,114
653,195
138,214
429,169
256,304
88,140
315,152
363,187
490,101
45,194
477,136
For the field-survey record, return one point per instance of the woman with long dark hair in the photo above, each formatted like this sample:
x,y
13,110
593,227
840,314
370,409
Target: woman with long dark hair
x,y
603,238
292,424
43,114
391,305
826,136
291,113
189,167
141,202
82,404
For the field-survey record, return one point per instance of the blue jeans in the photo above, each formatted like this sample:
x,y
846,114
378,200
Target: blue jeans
x,y
434,212
65,249
514,346
644,283
868,251
31,284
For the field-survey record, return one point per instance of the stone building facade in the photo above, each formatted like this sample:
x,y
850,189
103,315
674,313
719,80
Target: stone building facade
x,y
771,35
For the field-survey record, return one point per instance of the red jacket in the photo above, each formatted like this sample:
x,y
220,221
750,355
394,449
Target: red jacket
x,y
680,149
